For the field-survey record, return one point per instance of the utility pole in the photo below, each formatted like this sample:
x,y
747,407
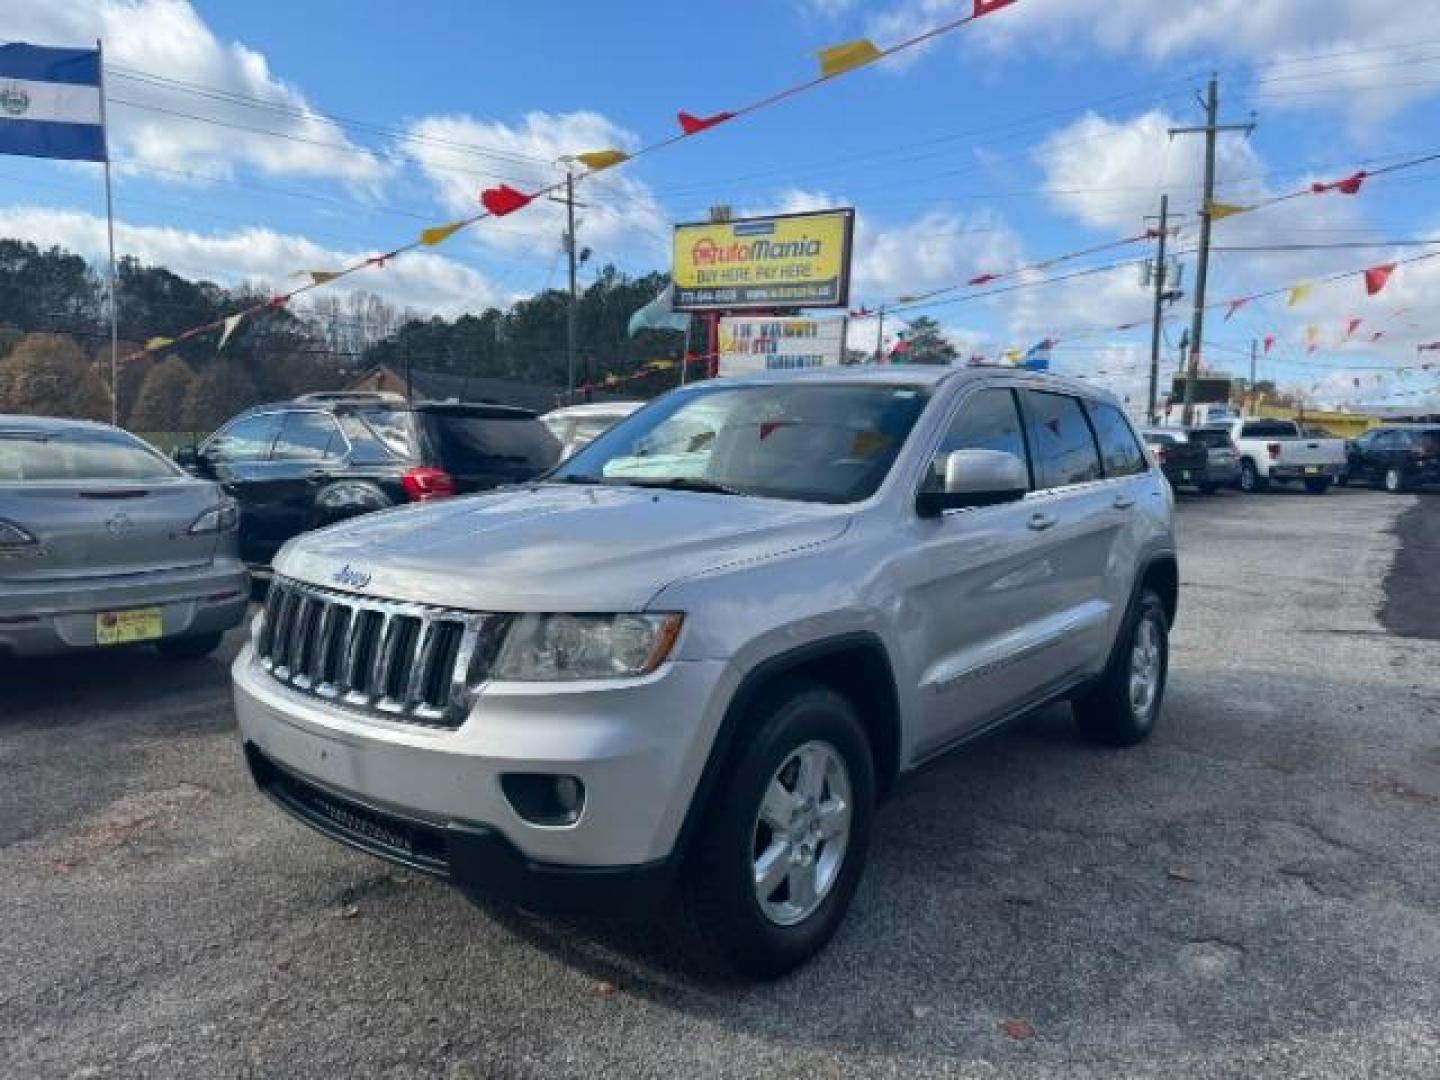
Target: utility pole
x,y
880,336
1159,303
1252,371
573,313
1202,269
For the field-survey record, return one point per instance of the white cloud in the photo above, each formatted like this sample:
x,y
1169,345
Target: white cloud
x,y
1355,41
420,280
461,155
940,248
153,45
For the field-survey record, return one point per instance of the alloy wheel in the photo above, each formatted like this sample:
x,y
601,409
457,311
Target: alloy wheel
x,y
1145,669
801,833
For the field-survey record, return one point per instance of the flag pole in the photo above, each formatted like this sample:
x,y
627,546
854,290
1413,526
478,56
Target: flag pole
x,y
110,234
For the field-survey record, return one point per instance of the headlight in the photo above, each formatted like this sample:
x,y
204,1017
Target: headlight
x,y
218,519
552,648
12,535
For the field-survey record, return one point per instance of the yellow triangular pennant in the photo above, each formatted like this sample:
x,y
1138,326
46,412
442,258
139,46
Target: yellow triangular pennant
x,y
440,233
1299,292
847,56
595,160
1219,211
320,277
231,322
158,343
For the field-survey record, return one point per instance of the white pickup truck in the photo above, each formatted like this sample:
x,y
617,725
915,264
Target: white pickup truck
x,y
1279,451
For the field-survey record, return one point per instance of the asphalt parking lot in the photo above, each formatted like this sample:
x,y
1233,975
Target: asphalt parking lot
x,y
1254,893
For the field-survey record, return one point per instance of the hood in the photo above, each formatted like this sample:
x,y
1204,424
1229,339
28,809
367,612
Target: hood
x,y
552,548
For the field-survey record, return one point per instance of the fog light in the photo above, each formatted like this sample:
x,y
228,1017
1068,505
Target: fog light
x,y
544,798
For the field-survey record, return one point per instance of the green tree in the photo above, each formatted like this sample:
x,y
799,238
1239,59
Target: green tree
x,y
159,405
49,375
927,343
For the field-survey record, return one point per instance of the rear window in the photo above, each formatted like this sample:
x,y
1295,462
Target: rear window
x,y
1268,429
1211,437
391,429
469,444
1162,438
80,455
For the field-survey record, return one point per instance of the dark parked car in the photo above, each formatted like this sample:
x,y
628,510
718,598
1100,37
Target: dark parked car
x,y
1222,469
1185,463
322,458
1396,458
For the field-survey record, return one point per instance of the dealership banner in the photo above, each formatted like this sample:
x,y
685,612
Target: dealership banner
x,y
749,345
784,262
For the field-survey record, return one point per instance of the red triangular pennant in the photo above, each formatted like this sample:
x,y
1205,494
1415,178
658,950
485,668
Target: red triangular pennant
x,y
1351,327
1376,336
1349,186
982,279
691,124
1377,277
504,200
1269,343
1234,306
985,7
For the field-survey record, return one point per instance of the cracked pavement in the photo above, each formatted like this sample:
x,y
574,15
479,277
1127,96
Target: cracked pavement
x,y
1254,893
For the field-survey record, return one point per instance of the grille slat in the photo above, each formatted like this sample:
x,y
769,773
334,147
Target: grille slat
x,y
398,661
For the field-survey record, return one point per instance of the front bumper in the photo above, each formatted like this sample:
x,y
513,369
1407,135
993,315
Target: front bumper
x,y
38,619
638,748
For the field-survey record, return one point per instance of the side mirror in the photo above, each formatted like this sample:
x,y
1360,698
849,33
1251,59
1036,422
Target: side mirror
x,y
189,458
976,478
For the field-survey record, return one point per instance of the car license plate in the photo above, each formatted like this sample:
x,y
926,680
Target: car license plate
x,y
1311,470
123,627
1185,475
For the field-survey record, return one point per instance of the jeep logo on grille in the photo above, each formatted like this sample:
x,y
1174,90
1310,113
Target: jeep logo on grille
x,y
348,575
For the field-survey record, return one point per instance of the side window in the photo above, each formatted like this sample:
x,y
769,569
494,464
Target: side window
x,y
1060,437
988,420
247,439
309,436
1119,451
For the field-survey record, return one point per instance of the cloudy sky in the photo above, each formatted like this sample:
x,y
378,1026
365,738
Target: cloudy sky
x,y
254,140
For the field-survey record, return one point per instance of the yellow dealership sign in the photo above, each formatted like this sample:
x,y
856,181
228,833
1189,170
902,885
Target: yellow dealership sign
x,y
789,261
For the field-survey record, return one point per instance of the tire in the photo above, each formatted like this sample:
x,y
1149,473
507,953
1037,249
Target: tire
x,y
1394,481
725,924
1250,479
1318,487
189,648
1109,712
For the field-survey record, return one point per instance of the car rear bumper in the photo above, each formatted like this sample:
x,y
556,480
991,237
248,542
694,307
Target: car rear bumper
x,y
434,798
42,618
1304,472
1223,472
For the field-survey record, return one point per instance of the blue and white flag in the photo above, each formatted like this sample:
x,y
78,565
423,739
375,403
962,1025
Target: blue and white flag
x,y
50,103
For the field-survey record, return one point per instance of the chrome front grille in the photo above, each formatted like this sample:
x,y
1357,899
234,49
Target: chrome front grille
x,y
408,662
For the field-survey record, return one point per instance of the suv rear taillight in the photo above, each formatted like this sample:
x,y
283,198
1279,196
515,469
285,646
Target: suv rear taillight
x,y
1273,449
425,483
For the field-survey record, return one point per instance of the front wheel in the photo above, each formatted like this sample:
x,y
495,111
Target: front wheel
x,y
1120,709
1317,487
784,841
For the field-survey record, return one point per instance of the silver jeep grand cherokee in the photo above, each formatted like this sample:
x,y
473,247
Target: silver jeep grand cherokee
x,y
688,663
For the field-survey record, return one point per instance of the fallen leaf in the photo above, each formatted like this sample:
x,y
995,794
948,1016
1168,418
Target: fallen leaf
x,y
60,866
1180,873
282,963
349,911
1019,1029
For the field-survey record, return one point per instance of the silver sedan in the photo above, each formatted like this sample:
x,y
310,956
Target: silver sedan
x,y
104,542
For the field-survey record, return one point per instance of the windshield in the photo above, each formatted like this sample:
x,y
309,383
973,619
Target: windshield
x,y
1211,437
80,454
477,443
814,442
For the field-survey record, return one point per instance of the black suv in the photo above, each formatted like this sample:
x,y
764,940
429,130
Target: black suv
x,y
1397,458
322,458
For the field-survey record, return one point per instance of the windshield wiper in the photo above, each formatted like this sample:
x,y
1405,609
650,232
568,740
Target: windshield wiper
x,y
680,483
572,478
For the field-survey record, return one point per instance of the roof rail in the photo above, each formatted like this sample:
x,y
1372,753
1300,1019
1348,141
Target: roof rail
x,y
351,395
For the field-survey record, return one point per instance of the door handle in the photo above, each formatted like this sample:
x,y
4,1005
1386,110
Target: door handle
x,y
1041,522
1124,502
317,475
